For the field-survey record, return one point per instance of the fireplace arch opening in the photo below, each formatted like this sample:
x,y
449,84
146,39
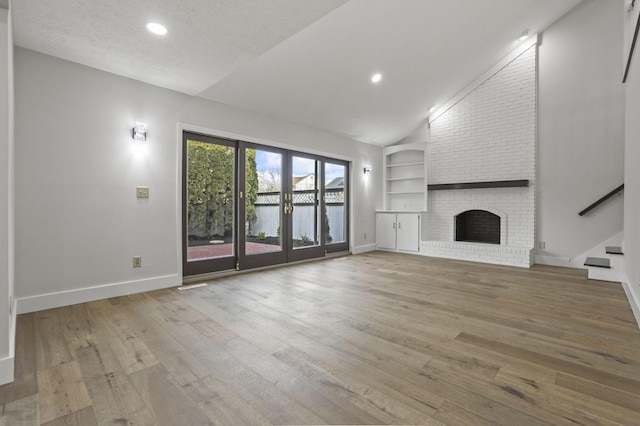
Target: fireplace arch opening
x,y
478,226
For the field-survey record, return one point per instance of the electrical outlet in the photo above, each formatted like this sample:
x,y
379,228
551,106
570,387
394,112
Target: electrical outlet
x,y
142,191
137,261
365,236
542,245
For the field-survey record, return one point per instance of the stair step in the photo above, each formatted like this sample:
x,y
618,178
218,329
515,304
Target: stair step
x,y
613,250
600,262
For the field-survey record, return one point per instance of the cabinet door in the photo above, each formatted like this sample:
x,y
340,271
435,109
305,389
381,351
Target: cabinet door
x,y
408,225
386,230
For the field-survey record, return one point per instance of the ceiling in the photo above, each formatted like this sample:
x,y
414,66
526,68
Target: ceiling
x,y
305,61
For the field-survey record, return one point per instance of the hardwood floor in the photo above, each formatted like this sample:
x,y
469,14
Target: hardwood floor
x,y
378,338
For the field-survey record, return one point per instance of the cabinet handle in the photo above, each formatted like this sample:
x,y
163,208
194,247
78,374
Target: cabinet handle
x,y
399,225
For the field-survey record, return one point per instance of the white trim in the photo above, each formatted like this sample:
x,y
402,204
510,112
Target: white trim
x,y
7,365
6,370
180,129
364,249
89,294
554,261
531,41
634,299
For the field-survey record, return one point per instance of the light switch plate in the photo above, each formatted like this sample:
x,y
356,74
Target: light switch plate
x,y
142,191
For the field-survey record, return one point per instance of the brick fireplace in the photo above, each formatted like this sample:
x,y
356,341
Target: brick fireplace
x,y
477,226
489,135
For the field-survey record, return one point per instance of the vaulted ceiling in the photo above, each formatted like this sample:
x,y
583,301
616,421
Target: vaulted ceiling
x,y
305,61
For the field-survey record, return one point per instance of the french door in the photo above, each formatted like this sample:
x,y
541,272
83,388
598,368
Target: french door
x,y
247,205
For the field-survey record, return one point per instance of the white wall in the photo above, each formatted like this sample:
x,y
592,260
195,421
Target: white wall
x,y
7,314
581,129
78,222
632,184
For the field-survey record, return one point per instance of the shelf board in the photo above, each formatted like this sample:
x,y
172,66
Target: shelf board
x,y
405,192
407,178
420,163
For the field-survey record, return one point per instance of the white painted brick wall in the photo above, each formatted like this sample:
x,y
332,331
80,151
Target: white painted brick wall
x,y
489,135
499,255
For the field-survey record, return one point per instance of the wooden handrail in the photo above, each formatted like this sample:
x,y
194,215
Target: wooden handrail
x,y
602,200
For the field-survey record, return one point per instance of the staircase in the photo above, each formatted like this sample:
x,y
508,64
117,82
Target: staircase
x,y
606,268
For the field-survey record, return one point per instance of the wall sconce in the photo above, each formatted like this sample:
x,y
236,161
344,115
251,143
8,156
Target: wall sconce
x,y
367,169
140,132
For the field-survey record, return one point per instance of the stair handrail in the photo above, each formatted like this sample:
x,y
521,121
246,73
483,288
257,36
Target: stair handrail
x,y
602,200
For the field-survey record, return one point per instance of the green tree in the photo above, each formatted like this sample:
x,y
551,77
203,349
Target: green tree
x,y
210,189
251,189
210,183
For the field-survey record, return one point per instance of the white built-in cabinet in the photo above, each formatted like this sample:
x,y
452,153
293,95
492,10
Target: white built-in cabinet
x,y
398,231
400,223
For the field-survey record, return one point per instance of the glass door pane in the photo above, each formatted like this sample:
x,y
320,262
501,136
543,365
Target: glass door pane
x,y
262,172
335,177
336,218
209,168
306,207
263,207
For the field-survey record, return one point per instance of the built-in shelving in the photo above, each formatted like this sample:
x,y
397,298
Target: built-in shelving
x,y
405,177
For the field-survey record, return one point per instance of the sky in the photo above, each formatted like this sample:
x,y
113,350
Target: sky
x,y
271,163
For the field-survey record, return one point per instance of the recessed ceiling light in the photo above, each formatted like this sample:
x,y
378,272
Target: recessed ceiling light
x,y
432,109
523,36
156,28
376,77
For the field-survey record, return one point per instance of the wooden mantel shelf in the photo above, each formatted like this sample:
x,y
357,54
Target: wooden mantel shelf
x,y
476,185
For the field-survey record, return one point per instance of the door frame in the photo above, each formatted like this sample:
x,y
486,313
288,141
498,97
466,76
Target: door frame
x,y
312,252
206,265
232,138
246,261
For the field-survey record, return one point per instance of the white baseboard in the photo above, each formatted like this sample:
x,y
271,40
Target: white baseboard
x,y
6,370
89,294
634,299
7,364
364,249
553,261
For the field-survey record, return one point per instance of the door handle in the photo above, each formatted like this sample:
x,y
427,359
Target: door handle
x,y
288,208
